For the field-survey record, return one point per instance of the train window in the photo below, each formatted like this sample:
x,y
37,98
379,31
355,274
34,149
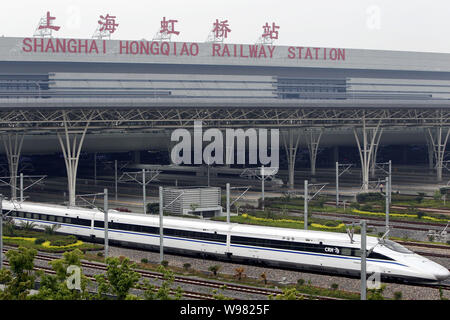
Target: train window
x,y
98,224
44,217
152,230
395,246
28,215
84,222
346,251
67,220
60,219
51,218
35,216
12,214
376,255
21,214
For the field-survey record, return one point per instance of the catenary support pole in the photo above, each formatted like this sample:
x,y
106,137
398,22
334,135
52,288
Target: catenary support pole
x,y
337,184
262,186
306,206
21,187
95,168
161,229
106,222
390,181
388,187
143,191
228,203
115,179
1,232
363,261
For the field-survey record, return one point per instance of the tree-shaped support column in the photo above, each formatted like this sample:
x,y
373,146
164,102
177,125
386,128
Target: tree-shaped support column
x,y
13,147
71,143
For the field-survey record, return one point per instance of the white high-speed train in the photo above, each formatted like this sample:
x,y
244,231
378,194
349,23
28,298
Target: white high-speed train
x,y
311,250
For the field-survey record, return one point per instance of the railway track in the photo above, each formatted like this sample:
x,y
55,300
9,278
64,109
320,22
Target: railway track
x,y
217,285
186,294
183,280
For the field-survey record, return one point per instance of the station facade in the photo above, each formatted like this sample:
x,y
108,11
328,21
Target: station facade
x,y
121,95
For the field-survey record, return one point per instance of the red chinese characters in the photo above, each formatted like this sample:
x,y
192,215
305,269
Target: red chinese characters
x,y
48,24
270,32
221,28
108,23
168,26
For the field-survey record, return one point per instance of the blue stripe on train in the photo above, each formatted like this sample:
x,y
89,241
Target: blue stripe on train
x,y
216,243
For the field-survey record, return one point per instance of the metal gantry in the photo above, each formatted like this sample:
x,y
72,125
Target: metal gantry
x,y
105,210
345,168
161,226
21,188
228,198
72,120
381,166
307,198
134,176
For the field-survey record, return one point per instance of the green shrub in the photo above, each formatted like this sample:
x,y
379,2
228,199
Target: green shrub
x,y
334,286
412,210
39,241
100,254
366,207
153,208
420,197
214,269
9,228
144,260
186,266
398,295
300,282
165,263
67,240
27,226
319,202
51,229
332,223
376,294
420,214
269,214
369,197
355,205
441,294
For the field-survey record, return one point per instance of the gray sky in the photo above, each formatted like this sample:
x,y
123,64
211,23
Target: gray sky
x,y
413,25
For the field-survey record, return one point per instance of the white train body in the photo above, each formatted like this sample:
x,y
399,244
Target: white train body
x,y
312,250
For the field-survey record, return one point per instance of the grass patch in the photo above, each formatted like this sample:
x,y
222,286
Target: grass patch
x,y
410,214
291,222
335,293
55,243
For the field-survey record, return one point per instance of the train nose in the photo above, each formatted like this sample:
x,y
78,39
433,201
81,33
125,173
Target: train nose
x,y
442,274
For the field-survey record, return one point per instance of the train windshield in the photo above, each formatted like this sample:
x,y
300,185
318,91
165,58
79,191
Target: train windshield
x,y
395,246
